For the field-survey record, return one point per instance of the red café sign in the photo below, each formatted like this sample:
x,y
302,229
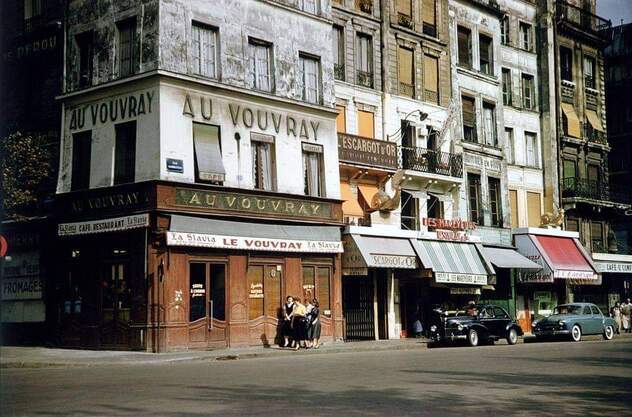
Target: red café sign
x,y
455,229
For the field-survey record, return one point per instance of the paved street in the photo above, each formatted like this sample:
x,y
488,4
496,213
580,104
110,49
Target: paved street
x,y
559,378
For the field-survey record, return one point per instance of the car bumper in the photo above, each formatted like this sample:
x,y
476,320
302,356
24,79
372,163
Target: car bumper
x,y
451,337
551,332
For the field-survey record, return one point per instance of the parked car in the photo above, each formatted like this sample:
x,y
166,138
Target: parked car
x,y
475,324
575,320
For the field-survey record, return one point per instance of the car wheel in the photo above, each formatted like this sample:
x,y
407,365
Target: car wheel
x,y
608,333
512,337
472,337
576,333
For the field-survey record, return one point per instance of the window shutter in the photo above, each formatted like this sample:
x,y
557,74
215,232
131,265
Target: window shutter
x,y
405,66
341,119
405,7
464,46
429,12
366,124
195,45
533,209
468,111
431,73
513,202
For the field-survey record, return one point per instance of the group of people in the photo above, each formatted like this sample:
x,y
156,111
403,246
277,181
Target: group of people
x,y
622,312
301,324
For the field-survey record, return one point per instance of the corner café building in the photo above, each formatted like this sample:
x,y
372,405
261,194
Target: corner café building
x,y
616,286
416,273
566,268
171,261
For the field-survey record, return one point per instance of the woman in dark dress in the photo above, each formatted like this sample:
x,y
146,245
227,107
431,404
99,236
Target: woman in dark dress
x,y
314,327
288,308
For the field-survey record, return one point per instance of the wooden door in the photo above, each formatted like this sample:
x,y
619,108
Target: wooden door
x,y
264,303
523,314
115,304
207,305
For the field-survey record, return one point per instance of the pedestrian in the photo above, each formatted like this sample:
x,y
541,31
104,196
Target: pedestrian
x,y
298,324
616,315
626,311
314,325
309,308
288,308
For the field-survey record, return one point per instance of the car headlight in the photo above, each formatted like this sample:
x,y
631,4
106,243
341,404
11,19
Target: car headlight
x,y
560,323
433,328
460,327
534,324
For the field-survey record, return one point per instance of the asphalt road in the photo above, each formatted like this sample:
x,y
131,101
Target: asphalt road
x,y
559,378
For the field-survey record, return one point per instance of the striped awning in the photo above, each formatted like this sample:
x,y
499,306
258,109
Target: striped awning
x,y
453,262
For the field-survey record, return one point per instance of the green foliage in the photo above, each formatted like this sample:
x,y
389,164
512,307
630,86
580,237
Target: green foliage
x,y
25,160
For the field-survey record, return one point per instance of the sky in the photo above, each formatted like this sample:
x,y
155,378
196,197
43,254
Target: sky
x,y
615,10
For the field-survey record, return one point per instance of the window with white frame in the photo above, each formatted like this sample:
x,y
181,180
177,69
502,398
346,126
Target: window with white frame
x,y
528,92
526,36
532,149
486,54
489,123
364,60
204,53
507,88
589,72
510,152
260,65
313,170
309,78
263,167
504,31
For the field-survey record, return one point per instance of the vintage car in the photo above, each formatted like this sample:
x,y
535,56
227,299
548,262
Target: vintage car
x,y
574,320
475,324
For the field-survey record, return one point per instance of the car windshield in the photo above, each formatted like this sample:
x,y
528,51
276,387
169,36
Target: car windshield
x,y
567,309
468,310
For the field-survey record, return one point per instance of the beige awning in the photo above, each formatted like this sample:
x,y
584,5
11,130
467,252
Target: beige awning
x,y
367,192
594,120
572,120
350,206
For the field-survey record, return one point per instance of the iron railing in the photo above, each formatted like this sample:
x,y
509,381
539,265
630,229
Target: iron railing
x,y
433,162
584,188
407,90
595,135
339,72
581,18
365,6
405,21
364,78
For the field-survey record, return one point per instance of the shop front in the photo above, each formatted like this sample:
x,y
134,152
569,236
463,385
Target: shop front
x,y
616,286
566,269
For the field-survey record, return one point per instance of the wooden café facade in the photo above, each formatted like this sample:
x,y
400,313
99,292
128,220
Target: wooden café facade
x,y
161,266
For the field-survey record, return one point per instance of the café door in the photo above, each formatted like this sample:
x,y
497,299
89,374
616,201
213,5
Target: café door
x,y
115,304
264,303
207,305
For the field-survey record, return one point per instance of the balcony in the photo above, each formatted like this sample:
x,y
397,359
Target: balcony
x,y
364,78
432,162
339,72
586,189
405,21
406,90
595,135
365,6
568,91
581,20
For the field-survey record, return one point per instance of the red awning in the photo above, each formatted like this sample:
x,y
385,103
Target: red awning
x,y
565,257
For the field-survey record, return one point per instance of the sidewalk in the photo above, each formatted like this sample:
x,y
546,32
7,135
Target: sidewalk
x,y
41,357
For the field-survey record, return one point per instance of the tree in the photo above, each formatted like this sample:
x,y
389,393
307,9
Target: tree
x,y
25,160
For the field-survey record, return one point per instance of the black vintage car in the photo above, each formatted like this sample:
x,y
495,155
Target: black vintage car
x,y
475,324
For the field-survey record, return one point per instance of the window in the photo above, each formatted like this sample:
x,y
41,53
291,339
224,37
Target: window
x,y
316,284
431,79
341,119
486,55
313,169
125,153
429,15
596,237
589,72
204,44
513,203
406,83
504,31
464,47
209,166
263,167
572,225
339,53
526,36
489,124
309,6
495,203
595,311
366,124
569,168
81,154
85,44
409,212
474,197
404,7
500,313
33,8
528,92
364,60
127,47
594,174
566,64
534,209
506,80
469,119
260,65
264,286
532,149
309,77
510,150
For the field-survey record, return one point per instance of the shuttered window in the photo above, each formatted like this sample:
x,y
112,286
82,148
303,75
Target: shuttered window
x,y
431,79
429,12
366,124
405,7
532,149
596,237
534,210
464,47
263,162
510,150
489,124
506,80
469,119
313,170
127,46
569,168
204,53
341,119
513,202
405,58
495,202
474,196
486,52
528,92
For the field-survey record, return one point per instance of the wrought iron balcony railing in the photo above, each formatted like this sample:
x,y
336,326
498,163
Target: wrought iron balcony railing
x,y
584,188
364,78
595,135
580,18
365,6
405,21
433,162
407,90
339,72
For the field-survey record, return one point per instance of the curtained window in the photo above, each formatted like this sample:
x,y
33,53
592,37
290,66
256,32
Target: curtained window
x,y
309,75
204,45
532,149
489,124
260,65
469,119
486,52
429,16
313,170
528,92
526,36
495,202
507,88
263,161
464,36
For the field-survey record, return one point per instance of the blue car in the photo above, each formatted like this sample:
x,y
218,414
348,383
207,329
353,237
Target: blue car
x,y
575,320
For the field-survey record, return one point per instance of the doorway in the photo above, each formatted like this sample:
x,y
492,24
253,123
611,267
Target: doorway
x,y
115,304
264,303
207,304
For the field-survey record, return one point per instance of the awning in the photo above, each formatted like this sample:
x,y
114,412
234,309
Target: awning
x,y
453,262
350,206
560,257
363,252
508,258
572,120
611,263
367,191
594,120
224,234
208,155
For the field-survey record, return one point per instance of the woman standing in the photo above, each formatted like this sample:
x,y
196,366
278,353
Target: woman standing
x,y
298,324
288,308
616,315
314,328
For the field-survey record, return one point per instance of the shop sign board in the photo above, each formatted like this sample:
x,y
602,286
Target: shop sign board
x,y
465,291
254,204
21,277
614,267
367,151
452,229
393,261
251,243
98,201
453,278
115,224
480,162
